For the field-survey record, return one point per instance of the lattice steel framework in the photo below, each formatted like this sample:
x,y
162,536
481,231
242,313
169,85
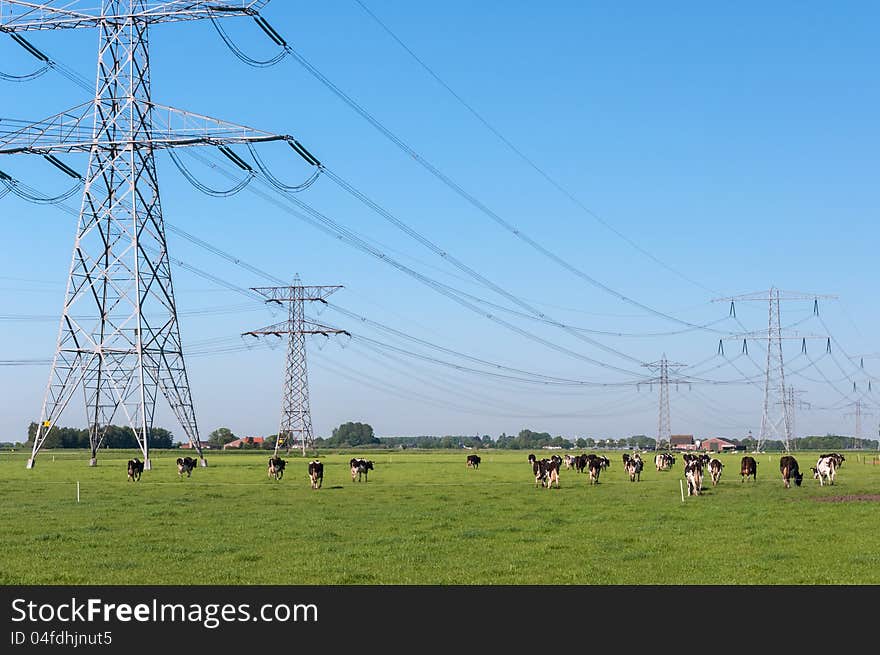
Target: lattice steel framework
x,y
664,421
296,416
119,338
776,416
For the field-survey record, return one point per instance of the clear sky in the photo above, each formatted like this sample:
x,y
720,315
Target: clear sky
x,y
715,149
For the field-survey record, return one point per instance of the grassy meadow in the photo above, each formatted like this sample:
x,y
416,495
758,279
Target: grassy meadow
x,y
425,518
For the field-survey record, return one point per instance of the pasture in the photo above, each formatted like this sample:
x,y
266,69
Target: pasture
x,y
426,518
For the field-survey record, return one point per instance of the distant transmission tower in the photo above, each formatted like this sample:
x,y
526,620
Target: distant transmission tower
x,y
664,422
119,338
858,414
774,422
296,417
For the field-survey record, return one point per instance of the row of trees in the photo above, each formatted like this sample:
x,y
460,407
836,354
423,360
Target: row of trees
x,y
115,436
356,434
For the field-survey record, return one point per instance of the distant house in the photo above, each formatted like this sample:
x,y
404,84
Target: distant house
x,y
682,442
717,445
204,444
249,441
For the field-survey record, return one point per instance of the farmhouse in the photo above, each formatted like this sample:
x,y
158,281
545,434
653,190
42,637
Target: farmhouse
x,y
204,445
717,445
245,441
682,442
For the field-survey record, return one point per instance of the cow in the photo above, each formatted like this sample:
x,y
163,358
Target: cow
x,y
664,461
570,461
551,470
693,472
837,457
580,463
788,466
359,468
825,469
316,473
748,467
539,469
626,458
135,468
185,465
276,467
596,464
715,466
473,461
634,466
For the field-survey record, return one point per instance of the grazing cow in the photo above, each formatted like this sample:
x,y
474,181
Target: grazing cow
x,y
626,458
825,469
185,465
788,466
276,467
473,461
715,467
748,467
693,471
359,468
634,466
135,468
581,461
316,473
570,461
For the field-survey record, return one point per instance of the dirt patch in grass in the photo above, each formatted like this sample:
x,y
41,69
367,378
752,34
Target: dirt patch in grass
x,y
849,498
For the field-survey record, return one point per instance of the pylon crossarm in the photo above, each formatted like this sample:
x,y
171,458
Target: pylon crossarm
x,y
19,16
72,131
291,294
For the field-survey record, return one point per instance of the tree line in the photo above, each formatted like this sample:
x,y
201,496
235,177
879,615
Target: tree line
x,y
115,436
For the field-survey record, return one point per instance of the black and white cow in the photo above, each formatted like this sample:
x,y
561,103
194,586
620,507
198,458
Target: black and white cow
x,y
316,473
580,463
634,466
359,468
748,467
135,468
570,461
837,457
664,461
825,469
276,467
715,466
185,465
788,466
693,472
473,461
596,464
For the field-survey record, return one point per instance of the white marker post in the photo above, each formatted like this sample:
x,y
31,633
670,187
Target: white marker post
x,y
77,491
680,487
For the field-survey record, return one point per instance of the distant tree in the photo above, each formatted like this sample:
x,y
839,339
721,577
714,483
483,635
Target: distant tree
x,y
353,434
220,437
581,442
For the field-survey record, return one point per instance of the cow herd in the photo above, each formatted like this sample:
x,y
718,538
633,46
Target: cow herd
x,y
546,470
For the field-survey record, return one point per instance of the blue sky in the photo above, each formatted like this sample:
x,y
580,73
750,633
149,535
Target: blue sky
x,y
735,143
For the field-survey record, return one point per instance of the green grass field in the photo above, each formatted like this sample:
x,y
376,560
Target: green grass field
x,y
425,518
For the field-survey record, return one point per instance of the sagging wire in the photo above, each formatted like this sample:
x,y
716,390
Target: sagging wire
x,y
205,188
47,64
274,181
238,52
18,189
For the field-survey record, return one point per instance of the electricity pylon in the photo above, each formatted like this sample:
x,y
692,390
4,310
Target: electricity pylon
x,y
296,416
858,413
664,422
794,403
775,422
119,338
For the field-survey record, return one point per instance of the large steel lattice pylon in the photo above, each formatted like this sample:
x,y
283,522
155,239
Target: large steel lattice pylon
x,y
119,339
778,409
296,416
664,421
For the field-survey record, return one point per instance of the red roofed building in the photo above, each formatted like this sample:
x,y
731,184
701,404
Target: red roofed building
x,y
245,441
717,445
